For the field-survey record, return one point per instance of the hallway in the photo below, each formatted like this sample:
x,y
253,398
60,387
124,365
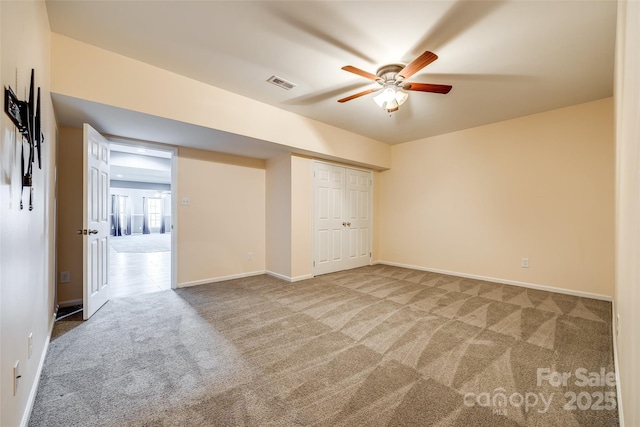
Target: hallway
x,y
139,263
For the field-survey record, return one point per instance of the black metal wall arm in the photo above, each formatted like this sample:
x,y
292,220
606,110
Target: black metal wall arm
x,y
26,117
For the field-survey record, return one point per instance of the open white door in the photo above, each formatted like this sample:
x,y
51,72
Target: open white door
x,y
96,226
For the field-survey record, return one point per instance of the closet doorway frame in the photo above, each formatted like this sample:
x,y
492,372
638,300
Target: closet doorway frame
x,y
314,268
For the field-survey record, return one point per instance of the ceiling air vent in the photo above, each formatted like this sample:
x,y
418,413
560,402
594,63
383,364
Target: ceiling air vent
x,y
281,82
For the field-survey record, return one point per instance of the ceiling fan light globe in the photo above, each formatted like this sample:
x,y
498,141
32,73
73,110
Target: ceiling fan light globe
x,y
391,105
389,93
390,98
379,99
401,96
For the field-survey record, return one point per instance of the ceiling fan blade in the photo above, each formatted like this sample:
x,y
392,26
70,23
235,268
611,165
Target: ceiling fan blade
x,y
427,87
357,95
360,72
418,64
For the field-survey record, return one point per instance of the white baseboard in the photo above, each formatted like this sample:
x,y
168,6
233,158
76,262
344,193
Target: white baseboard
x,y
34,387
503,281
242,275
70,303
220,279
288,278
300,278
614,330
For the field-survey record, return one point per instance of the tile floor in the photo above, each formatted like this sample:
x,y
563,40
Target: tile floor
x,y
141,270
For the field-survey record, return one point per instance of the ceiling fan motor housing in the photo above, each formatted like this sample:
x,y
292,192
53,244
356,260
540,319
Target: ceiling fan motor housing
x,y
388,73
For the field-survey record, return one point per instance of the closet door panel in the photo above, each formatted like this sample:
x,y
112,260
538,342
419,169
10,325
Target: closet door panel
x,y
329,188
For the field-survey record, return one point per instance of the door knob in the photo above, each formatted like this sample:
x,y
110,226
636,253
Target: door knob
x,y
344,224
348,224
87,231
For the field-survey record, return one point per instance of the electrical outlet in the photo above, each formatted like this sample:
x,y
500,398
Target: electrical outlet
x,y
250,256
525,262
30,345
65,277
186,201
16,377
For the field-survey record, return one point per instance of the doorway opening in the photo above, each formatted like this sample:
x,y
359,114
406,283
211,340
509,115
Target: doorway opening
x,y
140,252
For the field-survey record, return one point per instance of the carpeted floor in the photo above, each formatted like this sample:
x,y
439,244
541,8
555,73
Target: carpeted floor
x,y
376,346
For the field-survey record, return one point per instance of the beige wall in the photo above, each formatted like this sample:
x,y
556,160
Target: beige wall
x,y
477,201
87,72
225,219
627,285
289,219
27,289
278,216
69,243
301,217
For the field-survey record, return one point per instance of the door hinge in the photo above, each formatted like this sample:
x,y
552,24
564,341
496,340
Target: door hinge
x,y
370,255
314,263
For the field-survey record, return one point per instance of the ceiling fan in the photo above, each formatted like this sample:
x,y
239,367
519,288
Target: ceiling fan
x,y
391,79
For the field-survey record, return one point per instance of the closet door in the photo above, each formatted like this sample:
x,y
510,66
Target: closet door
x,y
342,218
358,218
329,183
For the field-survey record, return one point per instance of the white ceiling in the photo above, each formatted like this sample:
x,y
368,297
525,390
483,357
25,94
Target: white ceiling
x,y
505,59
137,164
